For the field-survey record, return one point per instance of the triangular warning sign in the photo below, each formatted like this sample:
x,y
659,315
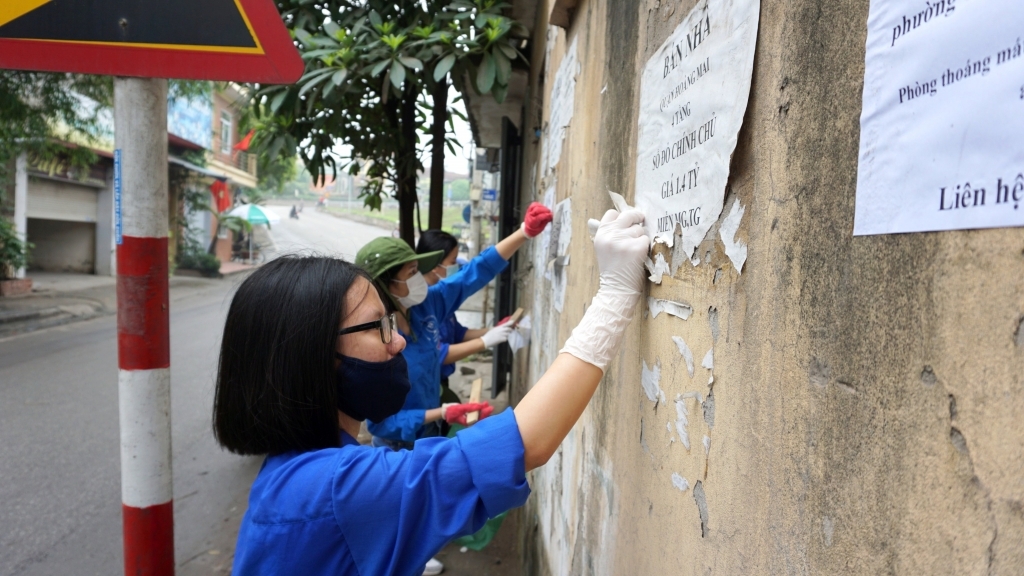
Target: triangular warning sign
x,y
240,40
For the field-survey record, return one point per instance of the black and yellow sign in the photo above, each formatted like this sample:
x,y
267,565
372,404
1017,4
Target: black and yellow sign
x,y
241,40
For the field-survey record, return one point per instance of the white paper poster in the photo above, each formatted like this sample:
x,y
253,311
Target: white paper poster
x,y
942,128
563,102
692,98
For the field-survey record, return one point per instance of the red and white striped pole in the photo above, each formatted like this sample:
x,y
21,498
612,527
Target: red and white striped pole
x,y
143,324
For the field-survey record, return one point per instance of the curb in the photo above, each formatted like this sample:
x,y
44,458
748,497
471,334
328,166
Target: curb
x,y
7,317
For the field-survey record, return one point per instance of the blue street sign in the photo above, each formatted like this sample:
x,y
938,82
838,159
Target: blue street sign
x,y
117,196
466,213
490,194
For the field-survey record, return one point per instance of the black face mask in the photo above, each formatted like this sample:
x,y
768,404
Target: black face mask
x,y
372,390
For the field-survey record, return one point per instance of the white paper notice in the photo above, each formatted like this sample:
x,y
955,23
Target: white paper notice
x,y
940,140
563,101
692,98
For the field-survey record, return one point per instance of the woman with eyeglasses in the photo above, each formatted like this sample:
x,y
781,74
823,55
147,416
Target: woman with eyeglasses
x,y
310,350
398,271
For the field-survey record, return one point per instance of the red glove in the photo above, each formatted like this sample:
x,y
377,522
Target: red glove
x,y
537,218
456,413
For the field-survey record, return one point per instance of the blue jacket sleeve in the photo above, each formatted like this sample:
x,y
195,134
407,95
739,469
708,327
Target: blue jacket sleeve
x,y
405,424
452,292
397,509
444,351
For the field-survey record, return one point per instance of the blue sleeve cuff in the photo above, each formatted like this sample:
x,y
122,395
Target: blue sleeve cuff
x,y
402,426
494,450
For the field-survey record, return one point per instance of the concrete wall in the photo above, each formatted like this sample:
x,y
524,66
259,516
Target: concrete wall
x,y
865,415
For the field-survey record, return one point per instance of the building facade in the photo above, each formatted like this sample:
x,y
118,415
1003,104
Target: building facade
x,y
829,405
69,216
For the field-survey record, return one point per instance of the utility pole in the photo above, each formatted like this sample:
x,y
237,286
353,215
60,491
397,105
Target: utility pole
x,y
143,324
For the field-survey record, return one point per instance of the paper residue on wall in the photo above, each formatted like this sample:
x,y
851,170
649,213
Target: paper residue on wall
x,y
563,101
707,445
680,482
685,351
682,421
561,236
677,309
520,335
650,380
709,360
658,268
734,249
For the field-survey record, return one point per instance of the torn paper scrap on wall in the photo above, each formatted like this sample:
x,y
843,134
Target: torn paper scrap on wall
x,y
685,351
650,380
657,268
563,100
520,335
693,94
709,360
707,445
682,421
561,236
734,249
542,252
677,309
680,482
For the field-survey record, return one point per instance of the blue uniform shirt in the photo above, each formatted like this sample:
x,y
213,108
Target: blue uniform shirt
x,y
360,510
451,332
423,352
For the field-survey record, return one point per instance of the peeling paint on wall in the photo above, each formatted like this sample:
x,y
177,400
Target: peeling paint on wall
x,y
679,482
735,250
709,409
685,351
707,445
709,360
650,380
713,321
670,307
702,507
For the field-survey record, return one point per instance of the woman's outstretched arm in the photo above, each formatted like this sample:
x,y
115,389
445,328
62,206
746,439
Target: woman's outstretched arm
x,y
551,408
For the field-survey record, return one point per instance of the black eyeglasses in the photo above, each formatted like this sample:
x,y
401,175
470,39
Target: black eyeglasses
x,y
387,325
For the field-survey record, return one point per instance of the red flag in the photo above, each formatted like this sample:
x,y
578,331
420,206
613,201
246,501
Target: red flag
x,y
221,195
244,144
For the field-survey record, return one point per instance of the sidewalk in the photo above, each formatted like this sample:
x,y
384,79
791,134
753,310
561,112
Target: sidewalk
x,y
62,298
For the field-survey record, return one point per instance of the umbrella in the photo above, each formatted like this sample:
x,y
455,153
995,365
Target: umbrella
x,y
254,214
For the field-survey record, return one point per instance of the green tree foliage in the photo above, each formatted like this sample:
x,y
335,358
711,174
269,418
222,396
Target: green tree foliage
x,y
369,67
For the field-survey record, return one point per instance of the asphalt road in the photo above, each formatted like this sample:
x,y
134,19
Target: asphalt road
x,y
59,456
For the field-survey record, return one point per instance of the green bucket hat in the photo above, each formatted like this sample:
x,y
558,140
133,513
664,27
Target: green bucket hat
x,y
384,253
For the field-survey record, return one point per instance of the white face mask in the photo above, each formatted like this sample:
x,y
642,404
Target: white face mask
x,y
417,291
450,271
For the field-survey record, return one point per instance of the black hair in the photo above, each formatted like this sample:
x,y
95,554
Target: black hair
x,y
276,388
434,240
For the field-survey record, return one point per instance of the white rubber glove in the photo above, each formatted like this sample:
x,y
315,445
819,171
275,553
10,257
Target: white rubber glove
x,y
621,246
496,335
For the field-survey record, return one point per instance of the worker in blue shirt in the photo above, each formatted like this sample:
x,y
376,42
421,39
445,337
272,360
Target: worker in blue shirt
x,y
457,341
310,349
398,272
